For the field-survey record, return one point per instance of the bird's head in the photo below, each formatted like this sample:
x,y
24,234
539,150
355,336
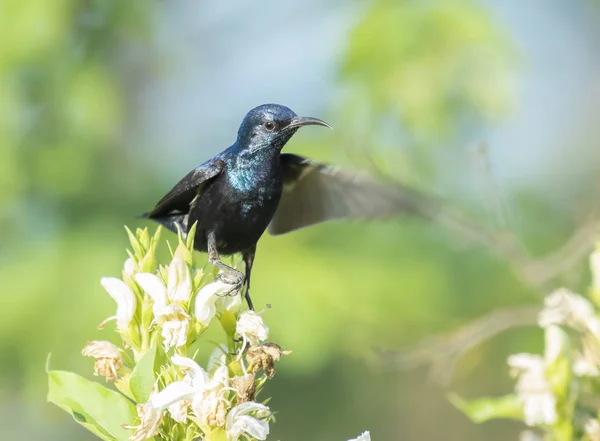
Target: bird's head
x,y
271,126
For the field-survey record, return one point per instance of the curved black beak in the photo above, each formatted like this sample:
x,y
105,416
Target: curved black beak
x,y
299,121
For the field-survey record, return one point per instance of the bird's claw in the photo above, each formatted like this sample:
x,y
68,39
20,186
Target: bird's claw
x,y
234,279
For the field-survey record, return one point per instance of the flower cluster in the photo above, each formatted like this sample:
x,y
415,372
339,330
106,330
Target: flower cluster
x,y
552,391
162,310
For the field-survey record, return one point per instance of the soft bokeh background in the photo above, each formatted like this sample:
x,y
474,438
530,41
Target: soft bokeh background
x,y
105,104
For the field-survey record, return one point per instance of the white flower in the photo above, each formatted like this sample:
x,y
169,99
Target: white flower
x,y
592,429
365,436
564,307
171,317
252,328
108,358
533,390
240,423
174,323
209,406
178,289
179,410
203,394
583,367
150,419
125,298
205,307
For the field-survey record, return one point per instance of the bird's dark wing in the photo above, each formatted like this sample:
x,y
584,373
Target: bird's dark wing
x,y
178,200
314,193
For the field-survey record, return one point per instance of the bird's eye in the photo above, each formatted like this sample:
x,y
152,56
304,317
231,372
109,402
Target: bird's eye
x,y
269,125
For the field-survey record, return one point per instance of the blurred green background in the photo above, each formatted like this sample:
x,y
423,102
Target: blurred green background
x,y
105,104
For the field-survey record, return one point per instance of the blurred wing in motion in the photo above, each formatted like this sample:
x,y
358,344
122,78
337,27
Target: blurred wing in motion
x,y
314,192
172,210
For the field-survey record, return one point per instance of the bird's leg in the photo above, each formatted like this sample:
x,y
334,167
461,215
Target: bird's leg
x,y
226,273
248,257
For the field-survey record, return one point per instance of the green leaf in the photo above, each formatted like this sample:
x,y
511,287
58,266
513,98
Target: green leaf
x,y
144,238
143,378
100,410
191,236
137,249
484,409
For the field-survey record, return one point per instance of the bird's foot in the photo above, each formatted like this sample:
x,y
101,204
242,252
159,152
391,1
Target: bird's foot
x,y
233,278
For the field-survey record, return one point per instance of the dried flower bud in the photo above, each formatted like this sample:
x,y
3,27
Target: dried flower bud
x,y
264,356
245,388
108,358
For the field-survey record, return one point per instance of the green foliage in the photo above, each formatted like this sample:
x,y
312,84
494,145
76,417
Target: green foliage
x,y
60,101
430,63
143,377
92,405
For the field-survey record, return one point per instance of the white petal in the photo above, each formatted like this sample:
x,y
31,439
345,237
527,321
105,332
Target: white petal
x,y
557,343
174,392
179,281
244,408
155,289
525,362
592,428
198,375
539,409
150,419
582,367
365,436
178,411
175,331
204,308
564,307
125,298
129,267
238,422
217,357
253,427
220,376
251,326
593,325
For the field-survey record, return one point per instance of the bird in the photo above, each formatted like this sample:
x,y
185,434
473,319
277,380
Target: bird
x,y
252,186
